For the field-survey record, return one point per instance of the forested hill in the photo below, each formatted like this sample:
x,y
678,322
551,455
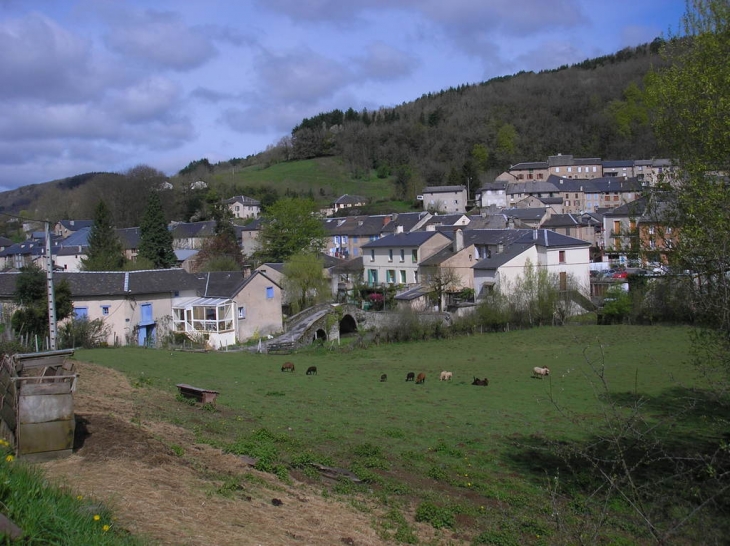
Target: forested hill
x,y
590,109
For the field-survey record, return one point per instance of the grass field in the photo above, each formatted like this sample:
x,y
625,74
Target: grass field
x,y
326,174
460,453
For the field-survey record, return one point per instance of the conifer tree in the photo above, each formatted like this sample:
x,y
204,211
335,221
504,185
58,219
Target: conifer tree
x,y
105,249
155,242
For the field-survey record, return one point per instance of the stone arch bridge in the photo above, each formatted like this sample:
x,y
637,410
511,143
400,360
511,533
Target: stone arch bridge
x,y
327,322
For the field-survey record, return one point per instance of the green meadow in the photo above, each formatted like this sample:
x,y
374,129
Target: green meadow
x,y
472,459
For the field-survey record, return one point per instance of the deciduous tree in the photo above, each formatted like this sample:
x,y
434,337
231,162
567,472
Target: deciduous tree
x,y
304,281
289,226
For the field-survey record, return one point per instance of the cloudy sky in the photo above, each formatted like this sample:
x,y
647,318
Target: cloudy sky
x,y
104,85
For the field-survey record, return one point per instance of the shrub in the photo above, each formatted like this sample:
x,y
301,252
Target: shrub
x,y
437,516
83,333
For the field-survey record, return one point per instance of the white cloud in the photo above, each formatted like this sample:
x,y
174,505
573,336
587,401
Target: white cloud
x,y
161,39
384,62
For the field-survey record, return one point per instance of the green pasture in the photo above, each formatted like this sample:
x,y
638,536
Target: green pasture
x,y
459,446
326,173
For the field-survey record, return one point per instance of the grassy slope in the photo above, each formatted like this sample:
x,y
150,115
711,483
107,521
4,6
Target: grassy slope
x,y
471,443
325,174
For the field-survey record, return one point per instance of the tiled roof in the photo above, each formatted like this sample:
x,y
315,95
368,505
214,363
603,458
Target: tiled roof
x,y
413,239
442,189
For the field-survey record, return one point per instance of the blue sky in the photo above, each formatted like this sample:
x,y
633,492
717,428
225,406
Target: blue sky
x,y
104,85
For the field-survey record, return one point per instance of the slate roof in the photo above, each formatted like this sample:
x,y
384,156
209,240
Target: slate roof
x,y
442,189
350,200
444,220
78,238
407,220
116,283
75,225
529,165
495,260
619,163
129,237
4,241
635,208
247,201
547,238
187,230
413,239
532,187
569,220
526,214
497,185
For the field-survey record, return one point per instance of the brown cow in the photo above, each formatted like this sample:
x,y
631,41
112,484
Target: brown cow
x,y
421,379
481,382
287,367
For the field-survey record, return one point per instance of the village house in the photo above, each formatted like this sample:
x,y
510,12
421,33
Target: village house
x,y
566,257
142,307
65,228
395,259
241,206
444,199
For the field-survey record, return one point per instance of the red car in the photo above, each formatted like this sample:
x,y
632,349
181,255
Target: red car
x,y
620,274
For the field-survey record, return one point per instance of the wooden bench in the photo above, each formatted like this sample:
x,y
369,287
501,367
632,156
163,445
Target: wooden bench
x,y
203,396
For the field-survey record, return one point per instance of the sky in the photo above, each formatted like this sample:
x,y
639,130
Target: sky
x,y
105,85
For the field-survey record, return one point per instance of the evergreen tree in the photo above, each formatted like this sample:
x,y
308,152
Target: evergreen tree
x,y
155,242
105,249
31,295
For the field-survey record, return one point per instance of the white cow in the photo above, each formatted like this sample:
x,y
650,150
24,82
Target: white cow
x,y
539,372
446,376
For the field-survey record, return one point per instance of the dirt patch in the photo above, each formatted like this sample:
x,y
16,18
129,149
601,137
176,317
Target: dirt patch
x,y
193,494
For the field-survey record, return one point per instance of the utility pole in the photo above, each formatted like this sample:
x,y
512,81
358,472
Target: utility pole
x,y
53,331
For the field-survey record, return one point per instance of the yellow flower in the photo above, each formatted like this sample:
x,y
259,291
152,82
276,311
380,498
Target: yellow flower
x,y
468,484
105,528
97,517
9,458
79,497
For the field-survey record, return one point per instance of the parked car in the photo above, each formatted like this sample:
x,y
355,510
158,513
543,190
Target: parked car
x,y
621,274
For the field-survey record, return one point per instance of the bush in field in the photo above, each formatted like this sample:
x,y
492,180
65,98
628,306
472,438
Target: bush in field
x,y
437,516
83,333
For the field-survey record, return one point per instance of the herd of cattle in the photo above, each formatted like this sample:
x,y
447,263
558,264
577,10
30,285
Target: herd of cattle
x,y
537,372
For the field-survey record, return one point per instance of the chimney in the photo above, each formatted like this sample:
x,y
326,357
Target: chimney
x,y
534,234
500,248
399,229
510,223
386,220
458,241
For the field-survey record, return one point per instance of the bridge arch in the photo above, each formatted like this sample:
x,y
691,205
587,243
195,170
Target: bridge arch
x,y
348,324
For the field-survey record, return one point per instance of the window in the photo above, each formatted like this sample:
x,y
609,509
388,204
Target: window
x,y
563,281
372,277
104,310
390,276
337,239
557,169
242,312
570,169
403,276
402,255
344,239
651,230
372,254
414,255
561,256
594,169
390,254
269,292
81,313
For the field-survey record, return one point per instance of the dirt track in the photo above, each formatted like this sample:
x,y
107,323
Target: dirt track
x,y
126,462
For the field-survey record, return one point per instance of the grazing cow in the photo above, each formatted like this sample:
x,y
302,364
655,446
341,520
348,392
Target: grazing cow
x,y
421,379
384,377
445,376
287,367
539,372
312,370
411,376
481,382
